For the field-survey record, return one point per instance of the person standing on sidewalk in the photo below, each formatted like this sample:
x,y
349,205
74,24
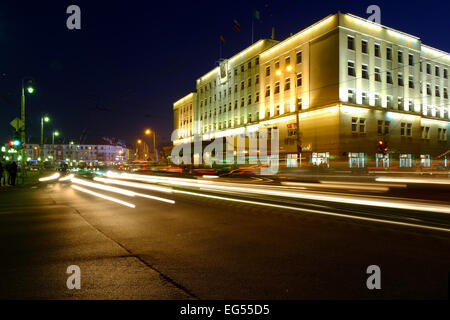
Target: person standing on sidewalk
x,y
1,174
13,173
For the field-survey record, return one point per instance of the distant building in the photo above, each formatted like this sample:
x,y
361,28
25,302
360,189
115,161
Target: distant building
x,y
333,90
101,152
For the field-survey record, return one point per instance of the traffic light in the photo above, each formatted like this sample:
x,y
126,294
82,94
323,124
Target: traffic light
x,y
383,147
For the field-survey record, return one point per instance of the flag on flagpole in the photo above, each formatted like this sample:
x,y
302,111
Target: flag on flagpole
x,y
237,26
222,38
257,14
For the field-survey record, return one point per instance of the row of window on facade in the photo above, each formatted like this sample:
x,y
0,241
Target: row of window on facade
x,y
377,74
277,111
377,53
186,109
405,129
287,64
402,103
360,160
208,86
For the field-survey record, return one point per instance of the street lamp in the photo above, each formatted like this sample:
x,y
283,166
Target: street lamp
x,y
55,134
29,87
149,132
43,119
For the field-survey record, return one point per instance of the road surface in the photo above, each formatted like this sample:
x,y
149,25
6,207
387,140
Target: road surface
x,y
208,248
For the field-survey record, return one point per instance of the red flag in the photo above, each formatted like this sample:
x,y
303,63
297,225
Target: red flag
x,y
237,26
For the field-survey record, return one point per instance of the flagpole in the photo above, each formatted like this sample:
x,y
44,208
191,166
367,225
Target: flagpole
x,y
253,28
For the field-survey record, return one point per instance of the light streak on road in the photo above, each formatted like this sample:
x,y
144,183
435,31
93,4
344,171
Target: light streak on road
x,y
270,191
67,178
119,190
154,198
327,213
336,186
103,187
410,180
134,185
50,178
104,196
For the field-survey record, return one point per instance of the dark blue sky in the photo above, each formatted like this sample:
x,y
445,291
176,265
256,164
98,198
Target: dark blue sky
x,y
136,58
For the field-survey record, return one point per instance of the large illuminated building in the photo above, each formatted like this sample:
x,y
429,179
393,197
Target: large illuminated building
x,y
344,84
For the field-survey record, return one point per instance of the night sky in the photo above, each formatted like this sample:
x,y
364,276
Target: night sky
x,y
131,60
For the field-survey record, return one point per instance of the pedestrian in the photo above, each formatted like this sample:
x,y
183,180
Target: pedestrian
x,y
8,173
13,173
1,173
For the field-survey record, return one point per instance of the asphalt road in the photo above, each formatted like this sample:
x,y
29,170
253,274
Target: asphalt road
x,y
203,248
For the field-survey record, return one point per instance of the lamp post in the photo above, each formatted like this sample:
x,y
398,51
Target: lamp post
x,y
149,132
291,71
43,119
29,88
54,134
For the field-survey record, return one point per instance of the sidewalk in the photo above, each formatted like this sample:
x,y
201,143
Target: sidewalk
x,y
31,178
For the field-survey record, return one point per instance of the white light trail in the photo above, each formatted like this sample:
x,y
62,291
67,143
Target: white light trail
x,y
405,224
270,190
322,185
103,187
67,178
120,190
104,196
50,178
410,180
134,185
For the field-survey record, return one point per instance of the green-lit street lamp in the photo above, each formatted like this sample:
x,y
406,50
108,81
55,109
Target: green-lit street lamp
x,y
55,134
28,84
43,119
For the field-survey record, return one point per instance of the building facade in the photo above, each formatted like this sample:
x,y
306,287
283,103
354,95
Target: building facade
x,y
80,154
333,91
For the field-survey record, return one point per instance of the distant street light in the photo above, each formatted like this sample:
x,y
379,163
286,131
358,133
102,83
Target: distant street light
x,y
149,132
30,90
43,119
55,134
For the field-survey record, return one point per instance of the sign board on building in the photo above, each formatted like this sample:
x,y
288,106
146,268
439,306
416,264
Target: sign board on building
x,y
223,71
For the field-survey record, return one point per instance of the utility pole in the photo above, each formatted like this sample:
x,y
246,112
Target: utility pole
x,y
23,136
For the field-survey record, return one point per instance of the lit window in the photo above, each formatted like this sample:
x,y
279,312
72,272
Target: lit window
x,y
299,79
277,87
365,99
351,96
287,84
